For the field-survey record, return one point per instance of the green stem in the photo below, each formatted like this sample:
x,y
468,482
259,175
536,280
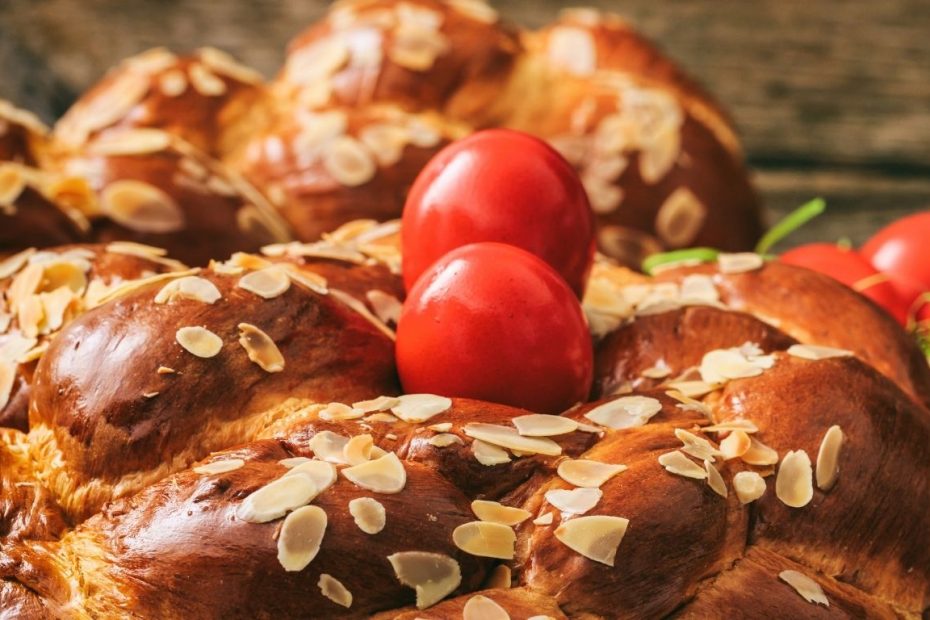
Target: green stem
x,y
703,255
791,223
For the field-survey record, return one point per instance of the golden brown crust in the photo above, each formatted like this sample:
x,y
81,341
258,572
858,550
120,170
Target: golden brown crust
x,y
815,309
27,510
28,326
517,602
194,97
109,430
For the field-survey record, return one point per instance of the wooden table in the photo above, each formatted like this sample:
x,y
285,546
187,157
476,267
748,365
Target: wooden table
x,y
832,99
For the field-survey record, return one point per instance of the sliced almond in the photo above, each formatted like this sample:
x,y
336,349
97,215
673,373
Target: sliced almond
x,y
141,207
696,446
574,501
321,473
442,427
488,454
267,283
172,83
501,577
432,575
130,142
205,82
809,589
679,464
189,287
199,341
794,484
7,378
333,589
219,467
358,449
384,418
14,263
276,498
382,475
816,352
382,403
416,408
722,365
224,64
740,262
596,537
495,512
692,389
308,279
480,607
386,307
735,445
625,412
300,537
715,480
338,411
506,437
746,426
699,289
329,446
349,162
586,473
543,519
680,218
573,50
260,348
542,425
485,539
759,454
369,514
749,486
828,458
444,440
293,461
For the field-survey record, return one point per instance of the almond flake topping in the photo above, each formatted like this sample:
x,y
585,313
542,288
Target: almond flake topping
x,y
794,484
442,427
574,501
130,142
596,538
722,365
386,307
749,486
260,348
572,50
219,467
293,461
7,378
420,407
737,424
495,512
501,577
715,480
480,607
740,262
543,519
828,458
382,475
432,575
338,411
696,446
444,440
333,589
329,446
189,287
485,539
199,341
677,463
488,454
369,514
735,445
816,352
625,412
542,425
759,454
321,473
809,589
267,283
382,403
691,389
586,473
276,498
506,437
358,449
300,537
141,207
349,162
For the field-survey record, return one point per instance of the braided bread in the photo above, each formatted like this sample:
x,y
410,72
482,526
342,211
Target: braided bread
x,y
159,151
243,450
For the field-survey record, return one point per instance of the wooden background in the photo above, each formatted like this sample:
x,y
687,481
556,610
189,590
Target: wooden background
x,y
832,98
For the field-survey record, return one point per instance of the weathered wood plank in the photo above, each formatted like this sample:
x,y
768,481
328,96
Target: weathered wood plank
x,y
806,81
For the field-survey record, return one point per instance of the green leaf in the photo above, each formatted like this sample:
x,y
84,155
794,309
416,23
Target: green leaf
x,y
790,223
702,255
